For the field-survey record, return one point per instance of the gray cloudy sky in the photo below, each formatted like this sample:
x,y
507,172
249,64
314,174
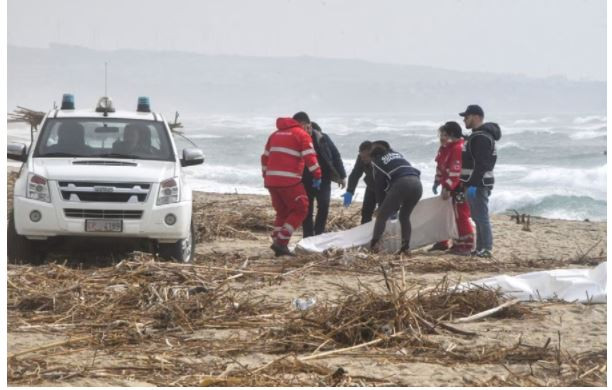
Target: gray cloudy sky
x,y
532,37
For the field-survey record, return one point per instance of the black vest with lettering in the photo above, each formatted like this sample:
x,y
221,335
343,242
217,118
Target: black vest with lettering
x,y
467,159
393,166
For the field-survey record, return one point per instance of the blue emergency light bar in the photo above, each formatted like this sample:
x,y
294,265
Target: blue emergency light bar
x,y
144,104
67,101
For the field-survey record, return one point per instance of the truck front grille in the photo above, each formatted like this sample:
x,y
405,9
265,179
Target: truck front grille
x,y
103,214
79,191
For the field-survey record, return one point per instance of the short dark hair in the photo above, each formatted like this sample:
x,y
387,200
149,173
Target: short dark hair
x,y
378,150
315,126
452,128
365,145
385,144
301,117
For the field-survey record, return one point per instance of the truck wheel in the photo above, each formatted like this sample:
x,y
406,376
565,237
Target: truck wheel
x,y
181,250
19,248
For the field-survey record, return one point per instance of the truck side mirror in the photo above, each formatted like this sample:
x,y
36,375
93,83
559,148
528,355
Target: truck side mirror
x,y
192,156
17,152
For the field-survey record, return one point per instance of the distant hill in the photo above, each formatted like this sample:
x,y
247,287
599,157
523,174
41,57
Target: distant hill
x,y
194,83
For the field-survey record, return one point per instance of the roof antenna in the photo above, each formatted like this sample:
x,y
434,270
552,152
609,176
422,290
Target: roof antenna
x,y
105,78
106,88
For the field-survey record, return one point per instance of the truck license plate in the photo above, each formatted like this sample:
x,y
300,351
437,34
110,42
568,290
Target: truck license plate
x,y
104,225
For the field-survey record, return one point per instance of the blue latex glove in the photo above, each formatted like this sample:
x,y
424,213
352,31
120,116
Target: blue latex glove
x,y
316,183
348,199
471,192
434,189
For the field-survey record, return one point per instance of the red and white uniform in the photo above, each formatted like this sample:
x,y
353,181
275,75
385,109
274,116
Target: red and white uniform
x,y
448,171
287,151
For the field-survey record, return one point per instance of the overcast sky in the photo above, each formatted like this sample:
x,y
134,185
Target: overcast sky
x,y
531,37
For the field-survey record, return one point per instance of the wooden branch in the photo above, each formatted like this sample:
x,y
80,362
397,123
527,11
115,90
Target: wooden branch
x,y
354,347
486,313
22,114
455,330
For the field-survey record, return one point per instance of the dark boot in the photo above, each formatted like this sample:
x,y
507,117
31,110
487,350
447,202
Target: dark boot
x,y
404,249
438,246
281,250
274,247
375,246
459,250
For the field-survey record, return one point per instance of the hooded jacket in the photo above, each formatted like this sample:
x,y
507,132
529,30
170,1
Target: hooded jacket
x,y
479,156
288,150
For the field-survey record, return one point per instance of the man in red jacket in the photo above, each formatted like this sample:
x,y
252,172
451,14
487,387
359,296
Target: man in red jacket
x,y
287,151
448,171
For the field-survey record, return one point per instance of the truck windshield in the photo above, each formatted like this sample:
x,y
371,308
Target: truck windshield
x,y
97,137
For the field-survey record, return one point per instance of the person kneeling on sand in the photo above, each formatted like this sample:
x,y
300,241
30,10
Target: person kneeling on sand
x,y
287,151
448,170
398,187
362,166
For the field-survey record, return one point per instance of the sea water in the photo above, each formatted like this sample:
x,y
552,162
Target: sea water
x,y
552,166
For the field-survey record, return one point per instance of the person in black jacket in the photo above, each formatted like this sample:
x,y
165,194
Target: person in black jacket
x,y
332,169
362,166
478,159
397,187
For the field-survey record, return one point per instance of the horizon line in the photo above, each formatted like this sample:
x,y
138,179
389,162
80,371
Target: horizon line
x,y
51,45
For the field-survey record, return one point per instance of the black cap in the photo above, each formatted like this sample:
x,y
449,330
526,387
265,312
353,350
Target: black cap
x,y
301,117
473,109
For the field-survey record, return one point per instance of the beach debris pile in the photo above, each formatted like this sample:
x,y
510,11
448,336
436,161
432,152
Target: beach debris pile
x,y
392,317
188,324
241,218
234,218
135,319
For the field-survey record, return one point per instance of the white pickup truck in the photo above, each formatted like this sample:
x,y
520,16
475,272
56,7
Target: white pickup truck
x,y
103,173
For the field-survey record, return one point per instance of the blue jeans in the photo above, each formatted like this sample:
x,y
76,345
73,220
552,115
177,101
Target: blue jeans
x,y
479,208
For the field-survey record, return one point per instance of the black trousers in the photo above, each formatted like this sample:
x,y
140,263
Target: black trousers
x,y
403,195
322,196
368,206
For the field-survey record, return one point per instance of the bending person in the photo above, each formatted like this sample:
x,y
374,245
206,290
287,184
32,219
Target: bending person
x,y
362,166
398,187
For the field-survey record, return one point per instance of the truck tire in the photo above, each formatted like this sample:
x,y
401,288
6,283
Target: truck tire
x,y
19,248
182,250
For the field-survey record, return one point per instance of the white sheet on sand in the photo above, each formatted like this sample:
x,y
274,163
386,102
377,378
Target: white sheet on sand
x,y
582,285
432,220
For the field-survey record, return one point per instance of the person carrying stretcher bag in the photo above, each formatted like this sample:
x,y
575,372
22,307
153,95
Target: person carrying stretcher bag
x,y
398,187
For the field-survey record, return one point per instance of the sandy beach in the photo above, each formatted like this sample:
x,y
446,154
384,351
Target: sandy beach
x,y
106,316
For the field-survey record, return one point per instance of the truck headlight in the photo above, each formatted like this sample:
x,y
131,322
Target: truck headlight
x,y
38,188
168,191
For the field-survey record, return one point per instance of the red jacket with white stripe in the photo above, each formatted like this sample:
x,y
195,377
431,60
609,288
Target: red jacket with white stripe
x,y
287,151
448,169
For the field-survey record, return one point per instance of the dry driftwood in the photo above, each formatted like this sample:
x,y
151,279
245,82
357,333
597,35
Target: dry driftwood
x,y
486,313
22,114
